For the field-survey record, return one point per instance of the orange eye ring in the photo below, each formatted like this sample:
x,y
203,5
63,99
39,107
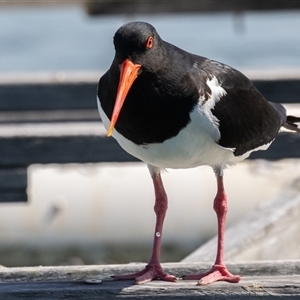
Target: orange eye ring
x,y
149,43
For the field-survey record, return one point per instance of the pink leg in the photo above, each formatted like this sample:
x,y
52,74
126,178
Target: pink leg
x,y
219,271
154,270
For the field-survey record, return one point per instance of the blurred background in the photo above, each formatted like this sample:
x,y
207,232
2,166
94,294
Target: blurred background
x,y
96,213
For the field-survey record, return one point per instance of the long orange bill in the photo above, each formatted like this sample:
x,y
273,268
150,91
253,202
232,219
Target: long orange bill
x,y
128,74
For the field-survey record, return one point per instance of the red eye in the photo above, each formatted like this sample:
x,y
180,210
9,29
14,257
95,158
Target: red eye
x,y
149,42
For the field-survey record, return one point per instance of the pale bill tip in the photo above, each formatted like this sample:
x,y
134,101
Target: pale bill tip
x,y
109,131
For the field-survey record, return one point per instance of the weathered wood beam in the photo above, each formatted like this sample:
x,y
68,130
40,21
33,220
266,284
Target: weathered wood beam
x,y
286,145
62,97
266,280
173,6
48,96
64,115
13,185
23,145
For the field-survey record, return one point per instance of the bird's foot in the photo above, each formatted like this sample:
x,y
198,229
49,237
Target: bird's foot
x,y
151,271
217,273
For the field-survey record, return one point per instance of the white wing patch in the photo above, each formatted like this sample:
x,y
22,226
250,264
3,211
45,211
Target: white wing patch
x,y
217,92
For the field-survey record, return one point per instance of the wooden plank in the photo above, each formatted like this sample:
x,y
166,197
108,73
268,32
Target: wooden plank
x,y
74,115
267,288
162,6
13,185
270,232
266,280
13,178
286,145
15,195
24,151
158,6
24,145
274,90
48,96
86,272
74,94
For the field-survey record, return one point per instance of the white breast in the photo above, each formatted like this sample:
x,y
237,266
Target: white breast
x,y
193,146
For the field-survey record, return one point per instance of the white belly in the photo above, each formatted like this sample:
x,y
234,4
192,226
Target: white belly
x,y
193,146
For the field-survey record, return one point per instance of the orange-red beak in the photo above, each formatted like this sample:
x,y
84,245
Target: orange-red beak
x,y
128,74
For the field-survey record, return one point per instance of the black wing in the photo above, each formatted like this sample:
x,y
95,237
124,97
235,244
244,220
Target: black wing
x,y
246,119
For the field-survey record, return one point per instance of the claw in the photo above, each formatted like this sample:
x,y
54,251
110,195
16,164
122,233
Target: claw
x,y
150,273
217,273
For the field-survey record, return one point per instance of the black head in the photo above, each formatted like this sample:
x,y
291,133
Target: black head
x,y
139,42
139,49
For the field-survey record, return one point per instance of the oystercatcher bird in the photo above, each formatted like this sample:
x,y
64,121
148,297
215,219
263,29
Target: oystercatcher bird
x,y
174,109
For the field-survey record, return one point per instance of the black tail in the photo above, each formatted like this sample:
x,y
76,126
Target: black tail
x,y
288,121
